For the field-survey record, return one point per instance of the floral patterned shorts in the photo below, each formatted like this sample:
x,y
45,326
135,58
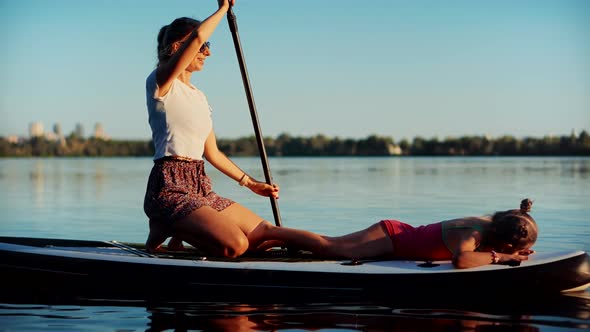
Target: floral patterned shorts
x,y
177,187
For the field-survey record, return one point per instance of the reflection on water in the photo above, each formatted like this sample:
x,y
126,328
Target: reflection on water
x,y
37,176
329,319
50,178
97,315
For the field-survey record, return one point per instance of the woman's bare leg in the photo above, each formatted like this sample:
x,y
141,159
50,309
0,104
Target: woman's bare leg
x,y
218,232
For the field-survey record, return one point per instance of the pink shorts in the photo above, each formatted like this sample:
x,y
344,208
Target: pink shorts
x,y
178,187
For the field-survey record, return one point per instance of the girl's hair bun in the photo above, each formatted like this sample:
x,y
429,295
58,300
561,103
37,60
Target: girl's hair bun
x,y
526,205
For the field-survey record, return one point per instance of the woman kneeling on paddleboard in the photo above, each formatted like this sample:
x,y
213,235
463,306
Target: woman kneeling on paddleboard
x,y
179,200
503,238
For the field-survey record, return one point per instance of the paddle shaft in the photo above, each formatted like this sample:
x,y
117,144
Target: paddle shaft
x,y
233,27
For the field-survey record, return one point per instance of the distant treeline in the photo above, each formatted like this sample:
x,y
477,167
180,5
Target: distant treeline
x,y
319,145
75,147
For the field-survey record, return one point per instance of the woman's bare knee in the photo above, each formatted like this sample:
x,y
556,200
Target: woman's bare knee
x,y
213,232
235,247
229,246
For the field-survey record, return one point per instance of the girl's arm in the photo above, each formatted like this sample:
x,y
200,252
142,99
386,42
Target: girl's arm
x,y
465,255
169,71
220,161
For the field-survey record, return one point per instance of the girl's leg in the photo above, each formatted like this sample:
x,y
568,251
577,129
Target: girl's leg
x,y
373,241
367,243
291,237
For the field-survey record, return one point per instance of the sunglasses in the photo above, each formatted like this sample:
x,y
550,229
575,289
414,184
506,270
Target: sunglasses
x,y
205,46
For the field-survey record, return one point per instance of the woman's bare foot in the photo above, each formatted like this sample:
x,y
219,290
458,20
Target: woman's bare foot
x,y
158,234
175,244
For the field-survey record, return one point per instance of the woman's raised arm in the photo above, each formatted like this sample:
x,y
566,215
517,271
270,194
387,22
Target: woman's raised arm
x,y
185,50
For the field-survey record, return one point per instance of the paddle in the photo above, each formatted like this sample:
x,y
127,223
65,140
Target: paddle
x,y
233,27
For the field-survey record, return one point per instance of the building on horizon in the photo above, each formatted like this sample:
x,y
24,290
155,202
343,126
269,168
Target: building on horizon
x,y
59,136
51,136
99,132
79,130
57,129
394,150
14,139
36,129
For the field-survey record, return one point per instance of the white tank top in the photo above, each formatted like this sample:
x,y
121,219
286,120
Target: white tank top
x,y
180,120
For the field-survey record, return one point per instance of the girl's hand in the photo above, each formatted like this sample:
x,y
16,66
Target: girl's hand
x,y
263,188
226,3
526,252
514,259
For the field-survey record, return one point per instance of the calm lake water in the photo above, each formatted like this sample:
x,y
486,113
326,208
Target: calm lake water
x,y
101,199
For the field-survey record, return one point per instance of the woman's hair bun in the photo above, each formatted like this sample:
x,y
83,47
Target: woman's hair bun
x,y
526,205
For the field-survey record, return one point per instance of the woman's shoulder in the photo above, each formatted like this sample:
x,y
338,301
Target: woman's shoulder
x,y
153,89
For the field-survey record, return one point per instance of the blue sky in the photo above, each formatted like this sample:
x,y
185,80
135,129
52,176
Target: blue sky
x,y
340,68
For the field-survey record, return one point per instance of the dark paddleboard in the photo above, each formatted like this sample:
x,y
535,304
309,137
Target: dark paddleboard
x,y
109,269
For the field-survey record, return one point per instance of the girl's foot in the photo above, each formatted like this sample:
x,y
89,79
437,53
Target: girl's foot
x,y
267,245
257,236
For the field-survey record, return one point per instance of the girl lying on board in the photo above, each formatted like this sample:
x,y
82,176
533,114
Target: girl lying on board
x,y
502,238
